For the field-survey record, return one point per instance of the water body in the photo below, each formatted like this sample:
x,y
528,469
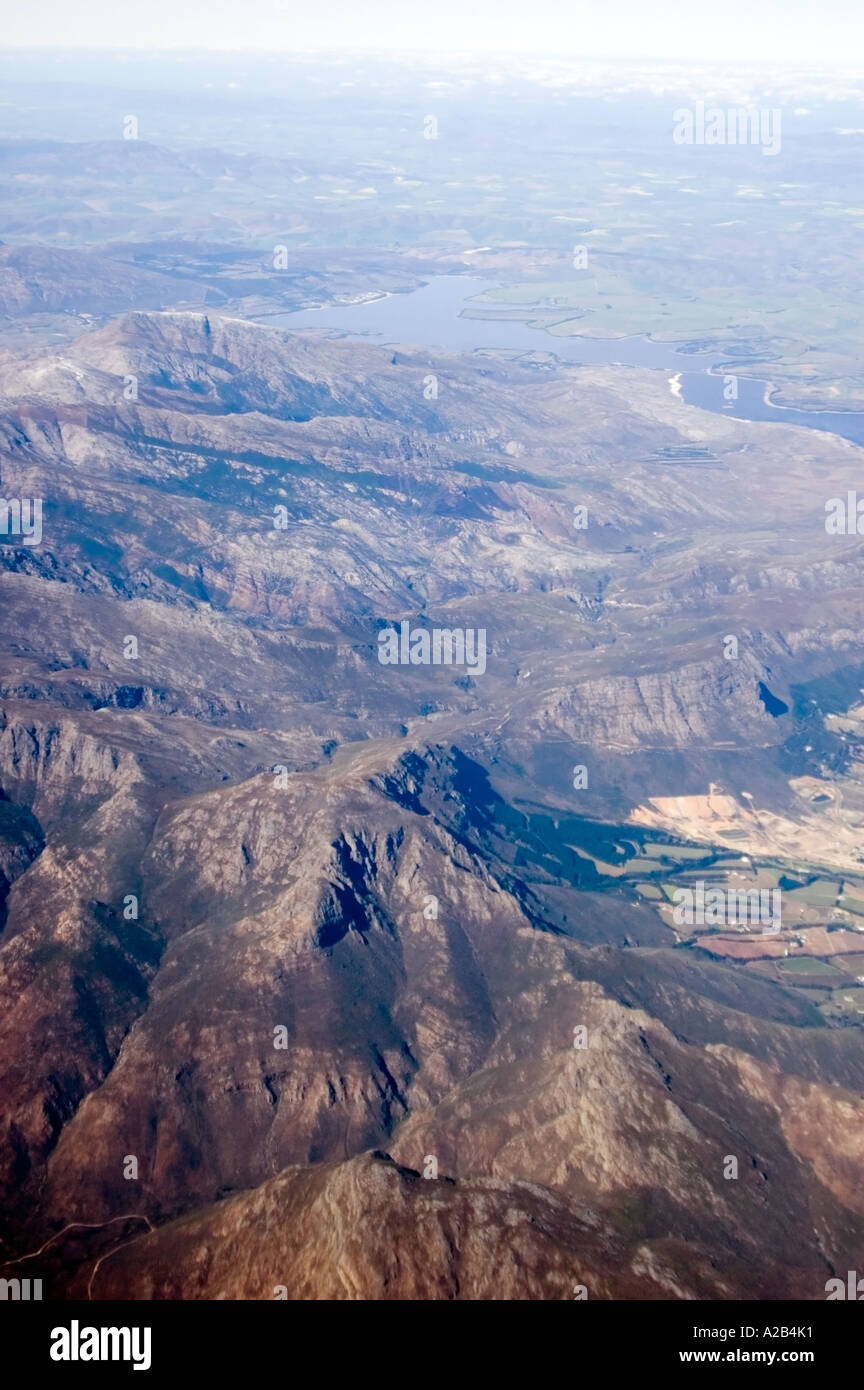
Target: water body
x,y
432,317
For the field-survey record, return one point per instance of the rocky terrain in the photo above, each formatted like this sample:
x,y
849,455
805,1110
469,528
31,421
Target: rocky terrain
x,y
297,947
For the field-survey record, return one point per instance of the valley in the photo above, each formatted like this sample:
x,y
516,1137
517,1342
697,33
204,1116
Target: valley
x,y
418,620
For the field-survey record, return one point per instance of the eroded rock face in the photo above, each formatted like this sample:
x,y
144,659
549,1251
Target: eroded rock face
x,y
368,1229
273,906
371,1229
418,1007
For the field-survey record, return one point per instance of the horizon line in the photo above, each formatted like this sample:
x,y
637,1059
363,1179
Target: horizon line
x,y
269,51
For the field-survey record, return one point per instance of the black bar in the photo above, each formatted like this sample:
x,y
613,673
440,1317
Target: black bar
x,y
232,1338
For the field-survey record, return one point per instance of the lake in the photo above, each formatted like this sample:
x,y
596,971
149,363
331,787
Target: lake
x,y
432,317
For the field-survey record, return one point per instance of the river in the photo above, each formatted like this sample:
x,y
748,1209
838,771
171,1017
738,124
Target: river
x,y
432,317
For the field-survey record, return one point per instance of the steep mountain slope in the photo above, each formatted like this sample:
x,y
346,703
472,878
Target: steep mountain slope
x,y
276,906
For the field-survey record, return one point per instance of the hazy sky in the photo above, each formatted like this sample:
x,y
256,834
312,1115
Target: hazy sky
x,y
818,31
